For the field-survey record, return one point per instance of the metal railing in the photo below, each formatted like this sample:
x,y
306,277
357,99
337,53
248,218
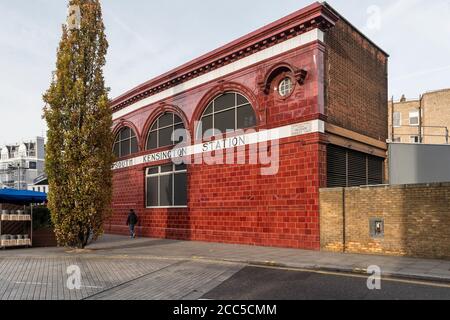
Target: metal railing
x,y
421,135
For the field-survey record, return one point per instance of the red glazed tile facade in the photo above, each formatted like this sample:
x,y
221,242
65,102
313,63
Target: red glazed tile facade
x,y
235,203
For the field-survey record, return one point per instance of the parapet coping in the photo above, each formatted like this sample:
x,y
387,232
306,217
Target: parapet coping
x,y
388,186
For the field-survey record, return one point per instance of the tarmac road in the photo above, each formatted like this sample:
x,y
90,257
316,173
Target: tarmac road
x,y
258,283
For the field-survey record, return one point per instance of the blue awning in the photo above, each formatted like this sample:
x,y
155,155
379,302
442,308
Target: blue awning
x,y
21,197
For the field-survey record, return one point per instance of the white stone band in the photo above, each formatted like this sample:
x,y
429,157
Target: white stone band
x,y
314,126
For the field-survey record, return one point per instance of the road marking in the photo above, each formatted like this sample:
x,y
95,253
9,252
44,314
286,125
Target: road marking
x,y
32,283
426,283
92,287
349,275
123,284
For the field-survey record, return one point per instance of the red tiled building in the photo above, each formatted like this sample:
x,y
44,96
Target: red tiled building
x,y
308,90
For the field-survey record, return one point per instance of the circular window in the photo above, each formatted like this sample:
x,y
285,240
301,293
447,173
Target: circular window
x,y
285,88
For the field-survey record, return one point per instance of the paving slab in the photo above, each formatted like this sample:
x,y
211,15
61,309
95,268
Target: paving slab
x,y
425,269
184,280
111,246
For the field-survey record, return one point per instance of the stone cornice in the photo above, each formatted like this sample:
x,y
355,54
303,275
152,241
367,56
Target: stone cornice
x,y
314,16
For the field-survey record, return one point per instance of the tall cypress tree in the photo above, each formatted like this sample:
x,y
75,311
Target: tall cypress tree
x,y
79,146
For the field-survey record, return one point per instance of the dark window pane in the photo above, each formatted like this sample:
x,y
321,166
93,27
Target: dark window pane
x,y
117,150
155,126
241,100
225,121
152,142
134,145
207,124
177,119
165,137
125,134
166,120
125,148
181,167
209,109
154,170
225,101
180,128
181,189
167,168
152,192
165,185
246,117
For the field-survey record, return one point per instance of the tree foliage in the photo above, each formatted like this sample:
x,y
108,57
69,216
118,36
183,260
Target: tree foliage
x,y
79,146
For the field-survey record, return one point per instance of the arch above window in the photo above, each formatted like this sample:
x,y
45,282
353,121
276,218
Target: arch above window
x,y
161,132
230,111
283,70
126,143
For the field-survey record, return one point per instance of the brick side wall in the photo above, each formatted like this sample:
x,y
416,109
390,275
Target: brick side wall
x,y
435,117
417,220
436,113
44,238
405,131
356,83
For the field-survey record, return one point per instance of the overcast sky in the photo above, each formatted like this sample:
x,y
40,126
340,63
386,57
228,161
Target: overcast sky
x,y
148,38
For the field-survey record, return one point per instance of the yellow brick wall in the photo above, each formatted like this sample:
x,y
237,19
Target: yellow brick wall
x,y
417,220
405,131
436,113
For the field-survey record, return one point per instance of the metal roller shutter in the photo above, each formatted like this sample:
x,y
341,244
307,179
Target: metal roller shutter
x,y
375,168
349,168
357,169
336,167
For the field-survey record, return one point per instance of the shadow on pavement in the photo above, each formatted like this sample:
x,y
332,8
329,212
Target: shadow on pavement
x,y
104,244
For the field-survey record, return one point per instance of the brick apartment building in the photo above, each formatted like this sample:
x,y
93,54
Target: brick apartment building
x,y
424,120
313,88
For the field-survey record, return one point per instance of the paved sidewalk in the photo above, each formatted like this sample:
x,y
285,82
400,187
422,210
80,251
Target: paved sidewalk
x,y
424,269
117,246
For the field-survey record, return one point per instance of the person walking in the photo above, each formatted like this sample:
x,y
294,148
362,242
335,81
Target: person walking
x,y
132,221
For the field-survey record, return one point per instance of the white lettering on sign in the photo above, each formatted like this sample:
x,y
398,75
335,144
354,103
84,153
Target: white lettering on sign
x,y
303,128
165,155
251,138
123,164
224,144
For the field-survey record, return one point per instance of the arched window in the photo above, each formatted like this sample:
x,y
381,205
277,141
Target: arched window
x,y
160,135
126,143
228,112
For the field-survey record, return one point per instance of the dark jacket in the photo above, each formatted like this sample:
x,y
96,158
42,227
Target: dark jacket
x,y
132,219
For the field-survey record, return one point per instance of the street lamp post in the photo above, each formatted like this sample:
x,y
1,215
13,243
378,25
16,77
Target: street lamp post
x,y
12,168
20,182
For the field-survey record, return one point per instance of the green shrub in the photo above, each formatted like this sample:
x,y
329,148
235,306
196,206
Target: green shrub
x,y
41,218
